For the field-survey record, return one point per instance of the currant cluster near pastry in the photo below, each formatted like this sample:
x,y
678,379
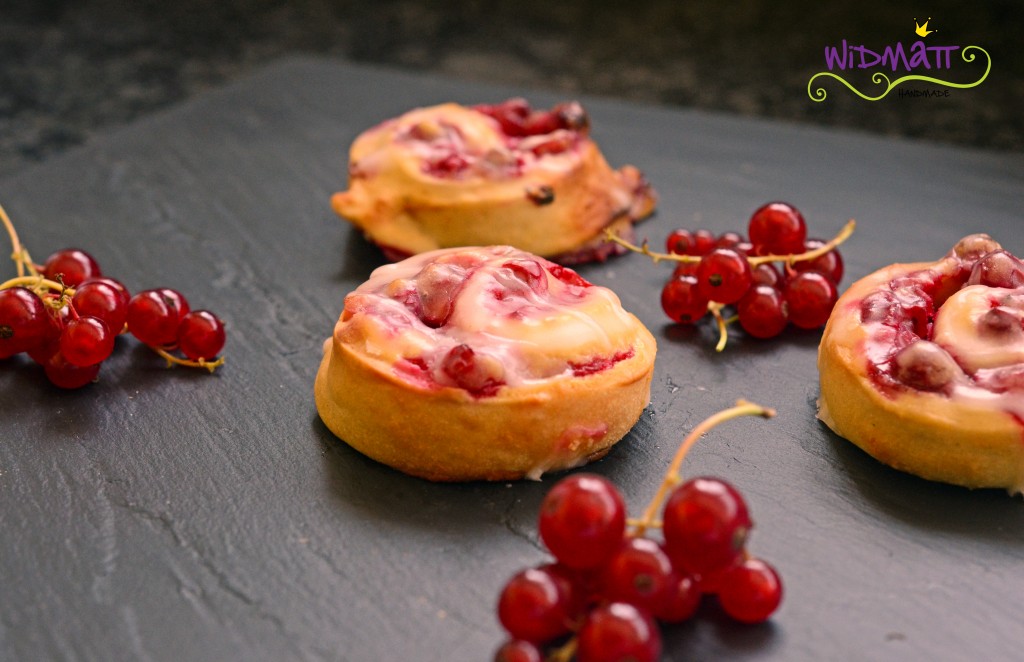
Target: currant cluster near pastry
x,y
730,270
610,585
65,314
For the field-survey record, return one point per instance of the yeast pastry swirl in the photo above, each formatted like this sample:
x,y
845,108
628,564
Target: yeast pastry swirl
x,y
922,366
483,364
451,175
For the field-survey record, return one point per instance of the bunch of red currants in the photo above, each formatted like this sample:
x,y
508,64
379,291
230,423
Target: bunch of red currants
x,y
65,315
610,585
732,270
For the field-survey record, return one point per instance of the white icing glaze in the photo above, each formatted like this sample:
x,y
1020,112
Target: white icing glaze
x,y
534,332
959,330
408,142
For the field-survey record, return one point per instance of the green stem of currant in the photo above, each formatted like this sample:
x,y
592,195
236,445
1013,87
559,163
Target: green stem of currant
x,y
173,360
38,283
656,257
742,408
565,652
18,253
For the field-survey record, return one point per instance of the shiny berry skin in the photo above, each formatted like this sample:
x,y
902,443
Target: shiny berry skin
x,y
751,591
67,375
684,242
703,242
724,275
681,599
535,606
728,240
24,321
200,335
682,301
810,297
154,316
766,274
762,312
86,341
518,650
104,298
680,242
638,573
999,268
830,264
618,632
582,521
777,228
72,265
705,524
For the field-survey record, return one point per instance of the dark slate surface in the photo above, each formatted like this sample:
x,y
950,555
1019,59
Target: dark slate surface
x,y
171,515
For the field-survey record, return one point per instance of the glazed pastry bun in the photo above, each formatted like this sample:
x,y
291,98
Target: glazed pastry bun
x,y
483,364
451,175
922,366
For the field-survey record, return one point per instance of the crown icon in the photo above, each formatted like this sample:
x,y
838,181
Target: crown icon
x,y
922,30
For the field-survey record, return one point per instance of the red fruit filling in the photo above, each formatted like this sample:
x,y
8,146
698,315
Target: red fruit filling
x,y
901,317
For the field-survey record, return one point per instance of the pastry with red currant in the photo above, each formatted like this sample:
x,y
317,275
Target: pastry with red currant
x,y
922,366
504,174
483,364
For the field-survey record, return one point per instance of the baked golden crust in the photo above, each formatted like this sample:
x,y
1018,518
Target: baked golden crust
x,y
947,418
552,394
449,175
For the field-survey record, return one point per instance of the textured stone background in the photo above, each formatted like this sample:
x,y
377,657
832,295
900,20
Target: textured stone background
x,y
72,69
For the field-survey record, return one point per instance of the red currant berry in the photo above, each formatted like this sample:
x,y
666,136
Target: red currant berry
x,y
618,632
810,297
762,312
999,268
638,573
685,269
535,605
681,599
705,525
724,275
751,591
728,240
703,242
86,341
24,321
766,274
583,520
154,315
105,299
830,264
67,375
200,335
682,301
72,265
778,228
680,242
518,650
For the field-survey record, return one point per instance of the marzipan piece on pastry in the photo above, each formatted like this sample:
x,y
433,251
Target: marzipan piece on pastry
x,y
922,366
451,175
483,364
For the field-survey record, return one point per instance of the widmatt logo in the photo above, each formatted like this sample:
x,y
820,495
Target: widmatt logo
x,y
916,58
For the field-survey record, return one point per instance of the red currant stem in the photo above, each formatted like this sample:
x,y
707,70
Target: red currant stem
x,y
656,257
33,282
830,245
723,334
742,408
563,653
174,360
18,252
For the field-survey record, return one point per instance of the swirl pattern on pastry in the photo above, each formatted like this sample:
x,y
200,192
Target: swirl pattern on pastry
x,y
483,363
451,175
922,366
